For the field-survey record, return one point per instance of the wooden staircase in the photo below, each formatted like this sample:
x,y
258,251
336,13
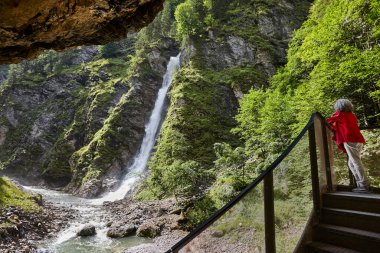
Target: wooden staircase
x,y
341,221
349,223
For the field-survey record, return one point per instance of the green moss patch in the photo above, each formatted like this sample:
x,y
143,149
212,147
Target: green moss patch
x,y
11,195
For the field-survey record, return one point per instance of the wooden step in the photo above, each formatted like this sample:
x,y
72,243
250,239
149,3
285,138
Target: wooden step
x,y
352,201
353,219
320,247
346,188
350,238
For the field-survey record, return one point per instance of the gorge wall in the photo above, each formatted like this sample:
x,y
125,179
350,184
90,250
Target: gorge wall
x,y
76,119
69,117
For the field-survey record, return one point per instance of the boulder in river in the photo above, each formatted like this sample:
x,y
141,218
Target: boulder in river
x,y
121,231
87,230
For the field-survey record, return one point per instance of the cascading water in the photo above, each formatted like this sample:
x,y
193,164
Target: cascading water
x,y
89,211
141,159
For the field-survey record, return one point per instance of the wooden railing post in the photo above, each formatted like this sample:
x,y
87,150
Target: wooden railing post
x,y
314,171
270,241
325,152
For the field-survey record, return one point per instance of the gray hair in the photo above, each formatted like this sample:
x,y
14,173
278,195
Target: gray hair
x,y
343,105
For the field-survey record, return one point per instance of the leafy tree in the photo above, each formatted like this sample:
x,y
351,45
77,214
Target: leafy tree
x,y
336,53
190,18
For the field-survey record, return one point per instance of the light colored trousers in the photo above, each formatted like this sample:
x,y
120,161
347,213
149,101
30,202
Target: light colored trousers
x,y
353,150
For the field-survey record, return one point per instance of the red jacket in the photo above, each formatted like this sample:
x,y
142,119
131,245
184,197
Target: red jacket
x,y
346,128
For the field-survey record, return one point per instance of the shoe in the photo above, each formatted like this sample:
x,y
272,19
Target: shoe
x,y
361,190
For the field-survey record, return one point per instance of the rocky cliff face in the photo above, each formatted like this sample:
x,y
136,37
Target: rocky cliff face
x,y
76,119
28,27
79,116
241,50
36,108
100,164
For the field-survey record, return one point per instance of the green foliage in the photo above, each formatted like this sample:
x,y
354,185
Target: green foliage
x,y
92,91
230,160
264,118
224,189
200,211
292,203
327,60
339,55
161,29
196,128
371,155
10,195
335,54
189,16
183,177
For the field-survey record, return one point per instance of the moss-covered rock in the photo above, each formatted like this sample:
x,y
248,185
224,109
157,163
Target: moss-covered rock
x,y
54,105
99,164
11,195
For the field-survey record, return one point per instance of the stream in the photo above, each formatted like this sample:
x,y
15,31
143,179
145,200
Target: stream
x,y
91,211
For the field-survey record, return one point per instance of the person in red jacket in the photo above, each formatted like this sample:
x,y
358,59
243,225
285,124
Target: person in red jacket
x,y
349,139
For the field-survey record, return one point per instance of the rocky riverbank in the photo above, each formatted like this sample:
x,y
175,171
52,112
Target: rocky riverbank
x,y
21,231
146,219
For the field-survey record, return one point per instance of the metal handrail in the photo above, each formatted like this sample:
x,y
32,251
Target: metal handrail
x,y
269,171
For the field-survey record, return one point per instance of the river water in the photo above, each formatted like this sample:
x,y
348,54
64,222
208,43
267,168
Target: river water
x,y
90,211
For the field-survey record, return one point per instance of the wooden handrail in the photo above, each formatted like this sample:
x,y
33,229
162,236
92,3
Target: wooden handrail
x,y
270,240
314,171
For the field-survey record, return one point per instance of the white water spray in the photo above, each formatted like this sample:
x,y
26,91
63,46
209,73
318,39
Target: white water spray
x,y
141,159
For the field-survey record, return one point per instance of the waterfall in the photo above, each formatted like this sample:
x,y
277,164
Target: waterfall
x,y
151,129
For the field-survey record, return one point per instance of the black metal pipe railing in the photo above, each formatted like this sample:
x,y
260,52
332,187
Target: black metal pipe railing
x,y
199,229
267,176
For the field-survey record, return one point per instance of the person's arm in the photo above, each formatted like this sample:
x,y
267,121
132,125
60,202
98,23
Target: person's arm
x,y
333,119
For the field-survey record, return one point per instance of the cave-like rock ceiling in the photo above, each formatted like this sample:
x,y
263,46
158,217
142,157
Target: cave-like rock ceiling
x,y
27,27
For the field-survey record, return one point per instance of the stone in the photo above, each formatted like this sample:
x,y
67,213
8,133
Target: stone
x,y
121,231
217,233
87,230
27,28
148,229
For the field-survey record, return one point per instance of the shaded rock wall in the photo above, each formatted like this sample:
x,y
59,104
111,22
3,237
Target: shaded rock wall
x,y
99,165
78,117
36,108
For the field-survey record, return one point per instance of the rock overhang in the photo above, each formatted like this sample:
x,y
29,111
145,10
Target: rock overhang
x,y
28,27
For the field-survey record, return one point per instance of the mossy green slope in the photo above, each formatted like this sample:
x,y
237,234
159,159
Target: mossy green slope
x,y
218,38
11,195
199,115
